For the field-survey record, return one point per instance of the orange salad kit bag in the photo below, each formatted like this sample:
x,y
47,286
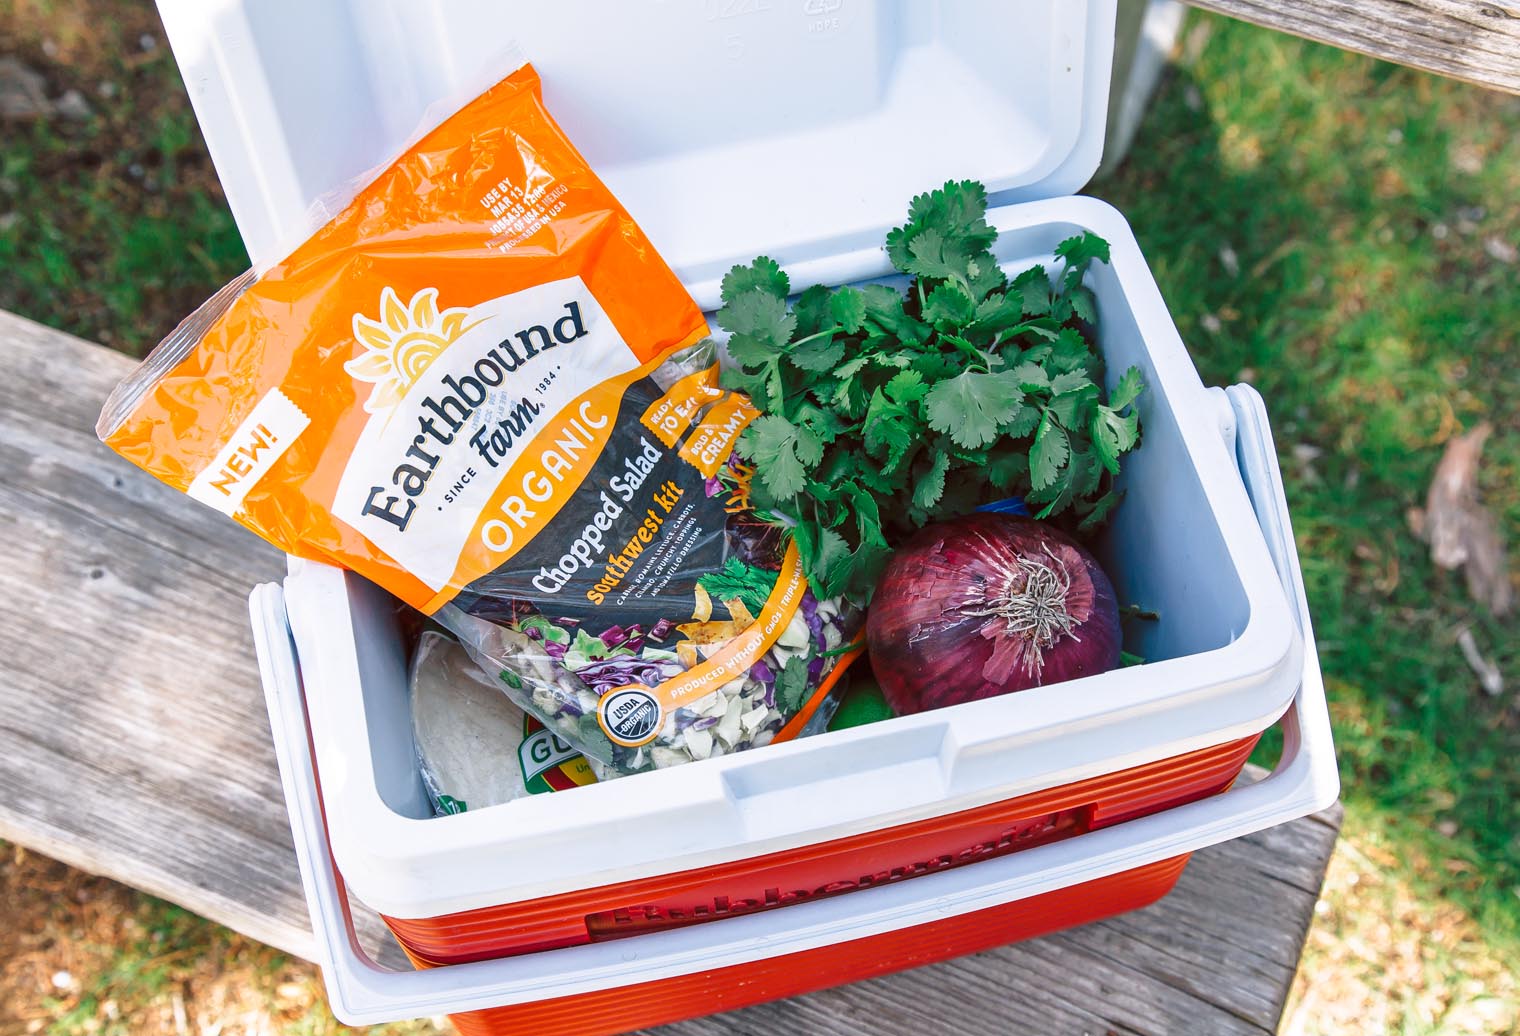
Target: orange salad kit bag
x,y
479,386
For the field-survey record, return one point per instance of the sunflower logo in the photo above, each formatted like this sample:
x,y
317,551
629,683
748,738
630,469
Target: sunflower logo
x,y
402,344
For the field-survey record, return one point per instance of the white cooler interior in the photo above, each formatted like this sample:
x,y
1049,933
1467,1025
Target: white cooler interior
x,y
1164,551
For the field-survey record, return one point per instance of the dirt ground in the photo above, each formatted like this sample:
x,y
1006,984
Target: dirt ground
x,y
80,954
1382,958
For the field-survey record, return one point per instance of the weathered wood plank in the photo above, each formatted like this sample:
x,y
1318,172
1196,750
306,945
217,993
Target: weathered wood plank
x,y
1475,40
135,745
134,741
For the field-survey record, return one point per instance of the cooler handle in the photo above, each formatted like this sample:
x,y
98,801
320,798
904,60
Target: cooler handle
x,y
1249,437
363,992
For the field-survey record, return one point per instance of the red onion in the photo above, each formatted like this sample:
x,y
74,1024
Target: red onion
x,y
986,604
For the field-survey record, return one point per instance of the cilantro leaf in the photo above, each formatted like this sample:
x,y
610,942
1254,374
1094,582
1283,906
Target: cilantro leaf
x,y
763,275
750,584
812,310
930,485
931,254
808,445
867,514
1033,286
964,346
862,568
761,315
774,442
1113,435
889,428
949,305
995,313
1099,511
851,367
907,388
1050,450
848,308
763,384
1008,467
1031,377
849,397
822,425
1083,304
960,206
1024,422
963,205
970,406
1071,406
750,351
1127,389
825,556
955,214
965,456
791,684
894,361
1080,475
1069,381
884,311
821,354
1070,352
1082,249
984,276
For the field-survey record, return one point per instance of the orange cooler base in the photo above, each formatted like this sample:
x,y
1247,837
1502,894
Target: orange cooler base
x,y
688,996
835,867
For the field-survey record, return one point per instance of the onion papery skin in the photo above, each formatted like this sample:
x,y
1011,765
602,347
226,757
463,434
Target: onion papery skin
x,y
939,623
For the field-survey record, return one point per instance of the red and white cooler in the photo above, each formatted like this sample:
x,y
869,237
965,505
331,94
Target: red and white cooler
x,y
796,129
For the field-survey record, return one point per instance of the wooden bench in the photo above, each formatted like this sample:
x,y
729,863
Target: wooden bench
x,y
135,745
134,742
1475,40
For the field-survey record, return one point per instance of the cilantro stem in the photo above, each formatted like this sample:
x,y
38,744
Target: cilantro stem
x,y
1010,333
964,346
842,649
826,332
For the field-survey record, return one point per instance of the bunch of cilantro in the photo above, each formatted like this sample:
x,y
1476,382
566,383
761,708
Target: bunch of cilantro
x,y
884,410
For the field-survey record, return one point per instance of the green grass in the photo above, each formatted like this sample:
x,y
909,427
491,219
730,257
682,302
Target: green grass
x,y
1362,203
1321,224
112,227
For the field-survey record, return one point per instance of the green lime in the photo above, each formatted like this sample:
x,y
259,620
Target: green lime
x,y
863,703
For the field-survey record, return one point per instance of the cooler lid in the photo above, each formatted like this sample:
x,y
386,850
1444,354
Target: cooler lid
x,y
729,128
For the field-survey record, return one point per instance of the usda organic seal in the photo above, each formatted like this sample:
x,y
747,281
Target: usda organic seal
x,y
630,716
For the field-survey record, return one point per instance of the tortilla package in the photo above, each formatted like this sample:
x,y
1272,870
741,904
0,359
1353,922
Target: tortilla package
x,y
475,748
479,386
